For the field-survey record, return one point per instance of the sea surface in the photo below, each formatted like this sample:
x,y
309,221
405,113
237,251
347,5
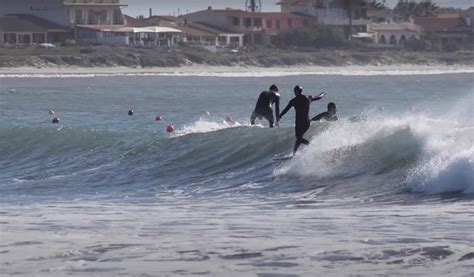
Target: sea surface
x,y
387,190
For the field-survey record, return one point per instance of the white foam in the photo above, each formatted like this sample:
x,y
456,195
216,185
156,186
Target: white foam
x,y
204,125
445,162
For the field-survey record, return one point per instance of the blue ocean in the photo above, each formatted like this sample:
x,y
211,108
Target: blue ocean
x,y
386,190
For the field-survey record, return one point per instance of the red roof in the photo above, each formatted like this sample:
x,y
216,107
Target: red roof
x,y
134,22
438,24
166,17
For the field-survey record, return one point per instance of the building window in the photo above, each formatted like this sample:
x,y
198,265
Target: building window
x,y
118,17
247,22
269,24
78,17
278,24
290,23
236,21
257,22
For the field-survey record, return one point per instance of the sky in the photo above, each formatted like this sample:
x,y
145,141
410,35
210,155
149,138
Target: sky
x,y
172,7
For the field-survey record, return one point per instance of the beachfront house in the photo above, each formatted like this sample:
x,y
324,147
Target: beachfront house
x,y
94,12
448,29
33,21
192,33
153,36
29,29
393,34
344,13
239,27
249,28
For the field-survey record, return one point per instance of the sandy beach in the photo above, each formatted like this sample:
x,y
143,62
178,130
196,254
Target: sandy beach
x,y
203,70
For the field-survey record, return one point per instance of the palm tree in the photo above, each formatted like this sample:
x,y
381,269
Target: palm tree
x,y
406,9
375,5
426,9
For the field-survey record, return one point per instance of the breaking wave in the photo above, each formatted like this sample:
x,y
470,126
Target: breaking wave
x,y
375,157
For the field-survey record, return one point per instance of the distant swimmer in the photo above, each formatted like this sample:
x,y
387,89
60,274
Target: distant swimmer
x,y
330,115
301,104
55,120
130,112
263,108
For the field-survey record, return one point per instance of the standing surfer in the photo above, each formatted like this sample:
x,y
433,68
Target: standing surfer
x,y
301,104
263,108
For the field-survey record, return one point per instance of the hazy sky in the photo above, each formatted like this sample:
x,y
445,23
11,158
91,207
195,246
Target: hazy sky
x,y
170,7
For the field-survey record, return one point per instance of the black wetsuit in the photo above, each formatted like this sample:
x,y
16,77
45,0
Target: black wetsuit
x,y
263,108
326,116
302,123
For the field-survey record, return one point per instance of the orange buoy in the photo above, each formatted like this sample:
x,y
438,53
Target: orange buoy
x,y
158,118
170,128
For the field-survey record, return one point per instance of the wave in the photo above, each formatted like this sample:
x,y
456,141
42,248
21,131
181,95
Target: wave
x,y
430,156
376,156
246,72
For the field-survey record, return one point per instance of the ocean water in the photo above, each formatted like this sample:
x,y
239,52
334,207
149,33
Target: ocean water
x,y
387,190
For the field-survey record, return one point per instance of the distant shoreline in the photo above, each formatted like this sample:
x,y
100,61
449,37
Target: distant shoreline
x,y
236,71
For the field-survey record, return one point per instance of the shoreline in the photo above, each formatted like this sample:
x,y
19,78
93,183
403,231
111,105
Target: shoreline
x,y
235,71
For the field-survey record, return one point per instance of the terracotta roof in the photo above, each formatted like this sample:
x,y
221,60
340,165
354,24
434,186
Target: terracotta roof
x,y
449,15
169,18
29,23
134,22
438,24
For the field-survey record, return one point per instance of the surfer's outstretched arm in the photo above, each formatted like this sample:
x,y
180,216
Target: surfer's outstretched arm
x,y
288,107
318,117
312,99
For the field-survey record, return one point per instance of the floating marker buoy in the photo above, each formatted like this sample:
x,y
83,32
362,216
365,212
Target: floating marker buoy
x,y
170,128
130,112
55,120
51,112
158,118
208,113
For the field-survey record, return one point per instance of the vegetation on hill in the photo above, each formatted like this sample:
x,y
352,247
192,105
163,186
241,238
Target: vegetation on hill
x,y
103,56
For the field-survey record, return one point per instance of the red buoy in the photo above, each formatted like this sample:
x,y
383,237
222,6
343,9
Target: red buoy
x,y
158,118
170,128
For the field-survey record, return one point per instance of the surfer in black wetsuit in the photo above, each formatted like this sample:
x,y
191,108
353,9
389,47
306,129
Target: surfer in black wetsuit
x,y
330,115
263,108
301,104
